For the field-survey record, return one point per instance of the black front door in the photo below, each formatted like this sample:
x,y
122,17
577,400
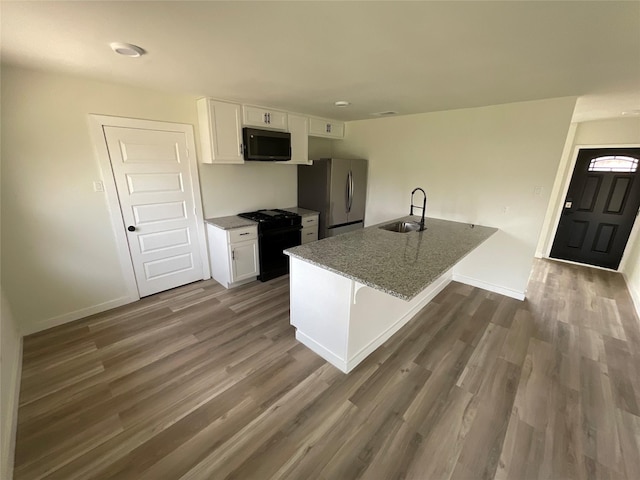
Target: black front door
x,y
600,208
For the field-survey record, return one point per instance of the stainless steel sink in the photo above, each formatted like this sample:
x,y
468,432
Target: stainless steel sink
x,y
401,227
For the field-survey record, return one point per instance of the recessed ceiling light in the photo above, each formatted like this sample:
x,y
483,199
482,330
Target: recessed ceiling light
x,y
631,112
383,114
342,103
127,49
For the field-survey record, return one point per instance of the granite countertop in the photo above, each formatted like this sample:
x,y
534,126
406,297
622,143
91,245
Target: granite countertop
x,y
400,264
230,222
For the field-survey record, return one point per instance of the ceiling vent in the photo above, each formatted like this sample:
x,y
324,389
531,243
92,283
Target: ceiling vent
x,y
384,114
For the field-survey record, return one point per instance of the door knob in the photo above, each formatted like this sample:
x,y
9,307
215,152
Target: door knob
x,y
131,228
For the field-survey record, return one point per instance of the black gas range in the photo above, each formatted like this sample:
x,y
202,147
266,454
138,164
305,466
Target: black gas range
x,y
277,231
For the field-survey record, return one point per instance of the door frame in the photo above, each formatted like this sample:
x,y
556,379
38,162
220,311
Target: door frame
x,y
635,231
96,125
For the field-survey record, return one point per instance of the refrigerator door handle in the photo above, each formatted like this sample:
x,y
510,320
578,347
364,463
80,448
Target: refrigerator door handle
x,y
350,191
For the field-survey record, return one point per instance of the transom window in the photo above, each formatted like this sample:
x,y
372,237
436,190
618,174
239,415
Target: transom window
x,y
614,163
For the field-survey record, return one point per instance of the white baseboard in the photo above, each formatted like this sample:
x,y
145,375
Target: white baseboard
x,y
489,287
9,448
325,353
635,296
77,315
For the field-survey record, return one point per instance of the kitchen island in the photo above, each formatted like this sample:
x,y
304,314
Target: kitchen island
x,y
352,292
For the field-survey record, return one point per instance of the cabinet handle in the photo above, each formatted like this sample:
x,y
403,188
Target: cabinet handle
x,y
233,254
328,128
269,118
241,147
266,118
245,233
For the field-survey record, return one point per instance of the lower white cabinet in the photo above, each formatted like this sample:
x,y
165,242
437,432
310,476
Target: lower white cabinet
x,y
309,231
234,255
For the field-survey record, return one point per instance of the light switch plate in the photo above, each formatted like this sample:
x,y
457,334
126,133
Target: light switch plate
x,y
98,187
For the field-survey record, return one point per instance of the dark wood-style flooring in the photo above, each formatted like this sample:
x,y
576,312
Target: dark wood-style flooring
x,y
206,383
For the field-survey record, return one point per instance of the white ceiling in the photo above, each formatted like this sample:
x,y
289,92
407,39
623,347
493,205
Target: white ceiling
x,y
409,57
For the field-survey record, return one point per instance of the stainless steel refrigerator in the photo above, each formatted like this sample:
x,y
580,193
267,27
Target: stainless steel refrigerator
x,y
337,189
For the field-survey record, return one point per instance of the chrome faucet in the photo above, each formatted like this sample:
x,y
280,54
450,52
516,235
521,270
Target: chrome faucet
x,y
424,206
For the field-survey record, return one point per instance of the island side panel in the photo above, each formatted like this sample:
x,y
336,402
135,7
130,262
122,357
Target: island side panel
x,y
376,316
484,268
320,309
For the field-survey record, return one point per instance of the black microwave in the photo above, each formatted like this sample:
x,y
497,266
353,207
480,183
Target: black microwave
x,y
266,145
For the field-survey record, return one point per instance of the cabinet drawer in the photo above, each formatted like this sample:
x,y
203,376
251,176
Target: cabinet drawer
x,y
243,234
309,234
309,221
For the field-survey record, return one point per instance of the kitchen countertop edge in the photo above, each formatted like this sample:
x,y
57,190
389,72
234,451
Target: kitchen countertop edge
x,y
381,240
231,222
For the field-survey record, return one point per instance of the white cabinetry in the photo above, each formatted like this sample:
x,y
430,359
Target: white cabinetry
x,y
299,129
264,117
234,255
220,131
309,228
220,124
322,127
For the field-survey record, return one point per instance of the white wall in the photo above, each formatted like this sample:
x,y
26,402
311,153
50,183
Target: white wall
x,y
231,189
59,256
631,270
10,368
472,163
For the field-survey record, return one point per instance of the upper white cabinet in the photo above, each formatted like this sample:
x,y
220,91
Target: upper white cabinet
x,y
299,129
264,117
322,127
221,123
220,131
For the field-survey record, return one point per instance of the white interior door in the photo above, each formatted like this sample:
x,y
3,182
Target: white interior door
x,y
152,175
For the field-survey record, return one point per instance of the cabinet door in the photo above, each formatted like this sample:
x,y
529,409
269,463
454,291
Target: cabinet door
x,y
336,129
264,117
244,260
322,127
299,129
220,131
278,119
